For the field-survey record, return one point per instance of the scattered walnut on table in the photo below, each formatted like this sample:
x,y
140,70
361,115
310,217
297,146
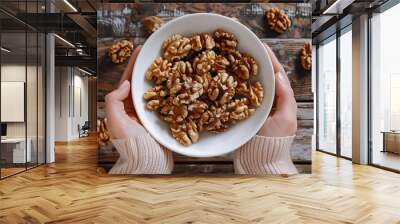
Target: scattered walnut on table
x,y
305,56
202,83
278,20
120,51
151,24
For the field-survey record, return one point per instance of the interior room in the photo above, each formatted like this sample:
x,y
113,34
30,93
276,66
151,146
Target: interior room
x,y
51,102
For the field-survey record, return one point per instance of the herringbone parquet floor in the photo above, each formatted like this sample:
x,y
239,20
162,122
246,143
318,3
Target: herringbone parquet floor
x,y
74,191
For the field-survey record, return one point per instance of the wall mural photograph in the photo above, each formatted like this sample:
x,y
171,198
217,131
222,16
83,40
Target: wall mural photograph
x,y
204,88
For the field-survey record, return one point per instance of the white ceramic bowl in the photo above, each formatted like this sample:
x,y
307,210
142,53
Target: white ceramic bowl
x,y
209,144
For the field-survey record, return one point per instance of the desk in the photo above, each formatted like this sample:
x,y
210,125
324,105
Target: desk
x,y
391,141
16,147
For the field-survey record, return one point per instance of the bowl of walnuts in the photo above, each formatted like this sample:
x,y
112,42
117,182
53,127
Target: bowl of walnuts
x,y
203,85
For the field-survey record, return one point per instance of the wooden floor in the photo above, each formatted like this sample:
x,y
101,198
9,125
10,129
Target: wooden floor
x,y
73,190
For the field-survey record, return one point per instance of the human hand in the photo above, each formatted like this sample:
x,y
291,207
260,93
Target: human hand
x,y
122,121
282,121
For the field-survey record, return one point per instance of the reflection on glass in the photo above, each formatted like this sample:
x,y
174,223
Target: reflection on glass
x,y
385,84
14,153
31,97
41,99
327,97
346,94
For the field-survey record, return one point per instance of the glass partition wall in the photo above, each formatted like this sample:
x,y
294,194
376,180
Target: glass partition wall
x,y
334,94
384,112
22,77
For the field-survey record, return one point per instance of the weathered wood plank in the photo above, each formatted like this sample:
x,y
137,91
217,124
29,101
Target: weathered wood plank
x,y
125,20
288,54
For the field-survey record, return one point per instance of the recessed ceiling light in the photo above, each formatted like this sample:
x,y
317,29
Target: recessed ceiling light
x,y
65,41
5,50
84,71
70,5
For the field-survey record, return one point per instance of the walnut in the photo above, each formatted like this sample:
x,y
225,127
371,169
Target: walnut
x,y
234,57
202,42
153,104
176,47
197,108
256,94
225,41
183,67
204,62
202,83
223,84
278,20
240,110
186,133
174,113
158,71
220,64
102,132
120,51
218,119
157,92
245,67
152,23
253,92
204,79
305,56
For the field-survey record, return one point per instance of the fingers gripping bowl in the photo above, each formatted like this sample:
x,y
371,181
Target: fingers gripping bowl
x,y
210,144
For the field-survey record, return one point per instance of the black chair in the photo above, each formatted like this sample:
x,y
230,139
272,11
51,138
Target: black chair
x,y
84,130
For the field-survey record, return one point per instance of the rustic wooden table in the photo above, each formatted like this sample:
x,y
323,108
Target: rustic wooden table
x,y
124,21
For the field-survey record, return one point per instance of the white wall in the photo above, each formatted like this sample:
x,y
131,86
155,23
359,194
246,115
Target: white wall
x,y
70,83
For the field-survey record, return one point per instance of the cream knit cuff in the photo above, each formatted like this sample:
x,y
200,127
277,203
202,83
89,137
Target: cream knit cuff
x,y
265,155
141,155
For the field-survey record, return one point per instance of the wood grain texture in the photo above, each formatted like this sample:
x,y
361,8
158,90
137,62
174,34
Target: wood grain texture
x,y
74,190
124,21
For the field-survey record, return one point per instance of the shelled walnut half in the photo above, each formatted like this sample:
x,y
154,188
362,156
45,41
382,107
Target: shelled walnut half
x,y
176,47
278,20
305,56
120,51
151,24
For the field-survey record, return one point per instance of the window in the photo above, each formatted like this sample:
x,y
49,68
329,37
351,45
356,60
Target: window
x,y
327,96
346,92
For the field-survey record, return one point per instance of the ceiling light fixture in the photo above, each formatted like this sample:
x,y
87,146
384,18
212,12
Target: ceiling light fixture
x,y
337,7
65,41
84,71
70,5
5,50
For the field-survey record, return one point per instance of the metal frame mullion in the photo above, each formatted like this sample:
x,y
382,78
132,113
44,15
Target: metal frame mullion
x,y
338,95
